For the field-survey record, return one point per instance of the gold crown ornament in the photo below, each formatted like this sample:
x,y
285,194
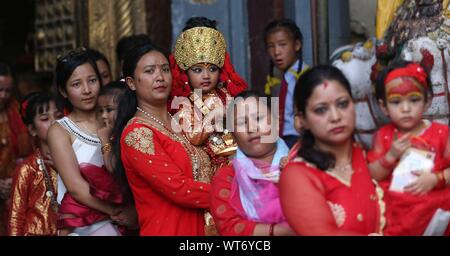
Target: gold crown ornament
x,y
200,45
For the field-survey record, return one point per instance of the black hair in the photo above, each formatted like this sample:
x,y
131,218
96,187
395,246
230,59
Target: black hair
x,y
200,22
114,89
126,110
304,89
5,70
65,67
36,103
97,55
380,87
296,34
127,43
243,96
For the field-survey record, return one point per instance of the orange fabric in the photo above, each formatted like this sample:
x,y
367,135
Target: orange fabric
x,y
316,203
168,199
228,221
408,214
31,211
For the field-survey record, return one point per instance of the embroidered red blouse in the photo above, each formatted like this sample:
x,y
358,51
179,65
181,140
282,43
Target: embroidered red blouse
x,y
228,221
159,170
317,203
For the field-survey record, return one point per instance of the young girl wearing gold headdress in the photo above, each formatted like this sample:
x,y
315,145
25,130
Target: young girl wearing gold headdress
x,y
202,72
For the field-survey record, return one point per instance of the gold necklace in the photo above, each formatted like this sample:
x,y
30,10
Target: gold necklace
x,y
191,150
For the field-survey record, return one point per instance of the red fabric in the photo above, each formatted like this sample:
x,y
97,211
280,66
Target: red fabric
x,y
102,186
168,200
307,193
283,94
228,220
411,70
409,214
19,137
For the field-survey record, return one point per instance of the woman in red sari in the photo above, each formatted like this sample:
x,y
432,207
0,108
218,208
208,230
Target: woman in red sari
x,y
160,164
15,142
403,90
327,189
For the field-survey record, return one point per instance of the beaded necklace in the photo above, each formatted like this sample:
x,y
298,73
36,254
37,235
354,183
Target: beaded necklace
x,y
192,151
51,192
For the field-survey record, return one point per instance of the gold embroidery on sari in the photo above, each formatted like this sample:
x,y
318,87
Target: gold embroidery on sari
x,y
141,139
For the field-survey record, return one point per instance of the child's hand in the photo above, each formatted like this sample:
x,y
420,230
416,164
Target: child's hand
x,y
399,146
425,183
104,133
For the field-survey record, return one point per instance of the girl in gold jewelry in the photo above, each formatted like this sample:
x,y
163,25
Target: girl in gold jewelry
x,y
204,76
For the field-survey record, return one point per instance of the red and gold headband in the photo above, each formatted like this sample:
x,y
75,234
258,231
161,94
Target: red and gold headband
x,y
411,70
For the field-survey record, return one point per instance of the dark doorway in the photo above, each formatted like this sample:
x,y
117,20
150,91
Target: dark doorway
x,y
16,31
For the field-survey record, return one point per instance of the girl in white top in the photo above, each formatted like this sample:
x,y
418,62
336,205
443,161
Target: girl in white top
x,y
76,149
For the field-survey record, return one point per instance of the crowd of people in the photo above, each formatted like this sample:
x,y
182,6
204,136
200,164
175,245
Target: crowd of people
x,y
179,145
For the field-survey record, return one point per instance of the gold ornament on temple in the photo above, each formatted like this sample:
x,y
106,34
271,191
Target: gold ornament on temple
x,y
200,45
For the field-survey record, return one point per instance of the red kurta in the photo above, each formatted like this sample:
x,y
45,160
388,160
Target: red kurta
x,y
317,203
159,170
408,214
228,221
15,143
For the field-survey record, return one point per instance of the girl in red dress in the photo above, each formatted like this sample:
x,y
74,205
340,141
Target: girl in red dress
x,y
244,196
33,209
327,189
404,90
154,159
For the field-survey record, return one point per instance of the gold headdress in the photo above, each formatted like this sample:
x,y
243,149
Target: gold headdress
x,y
200,45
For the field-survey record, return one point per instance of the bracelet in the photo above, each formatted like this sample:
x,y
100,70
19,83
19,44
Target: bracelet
x,y
385,164
272,229
106,148
440,180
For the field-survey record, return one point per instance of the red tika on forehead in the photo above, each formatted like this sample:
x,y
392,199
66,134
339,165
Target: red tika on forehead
x,y
325,84
406,87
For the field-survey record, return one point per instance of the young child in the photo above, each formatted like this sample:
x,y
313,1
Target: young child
x,y
200,61
404,91
33,209
284,42
108,101
244,195
87,192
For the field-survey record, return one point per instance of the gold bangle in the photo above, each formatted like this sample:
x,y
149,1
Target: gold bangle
x,y
106,148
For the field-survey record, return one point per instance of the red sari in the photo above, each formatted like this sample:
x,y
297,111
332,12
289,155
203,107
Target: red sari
x,y
159,170
408,214
316,202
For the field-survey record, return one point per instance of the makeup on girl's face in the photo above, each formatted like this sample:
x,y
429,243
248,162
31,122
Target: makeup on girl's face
x,y
405,103
204,76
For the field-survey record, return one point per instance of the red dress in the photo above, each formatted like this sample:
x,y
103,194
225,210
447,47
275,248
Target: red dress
x,y
408,214
317,203
160,173
228,220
